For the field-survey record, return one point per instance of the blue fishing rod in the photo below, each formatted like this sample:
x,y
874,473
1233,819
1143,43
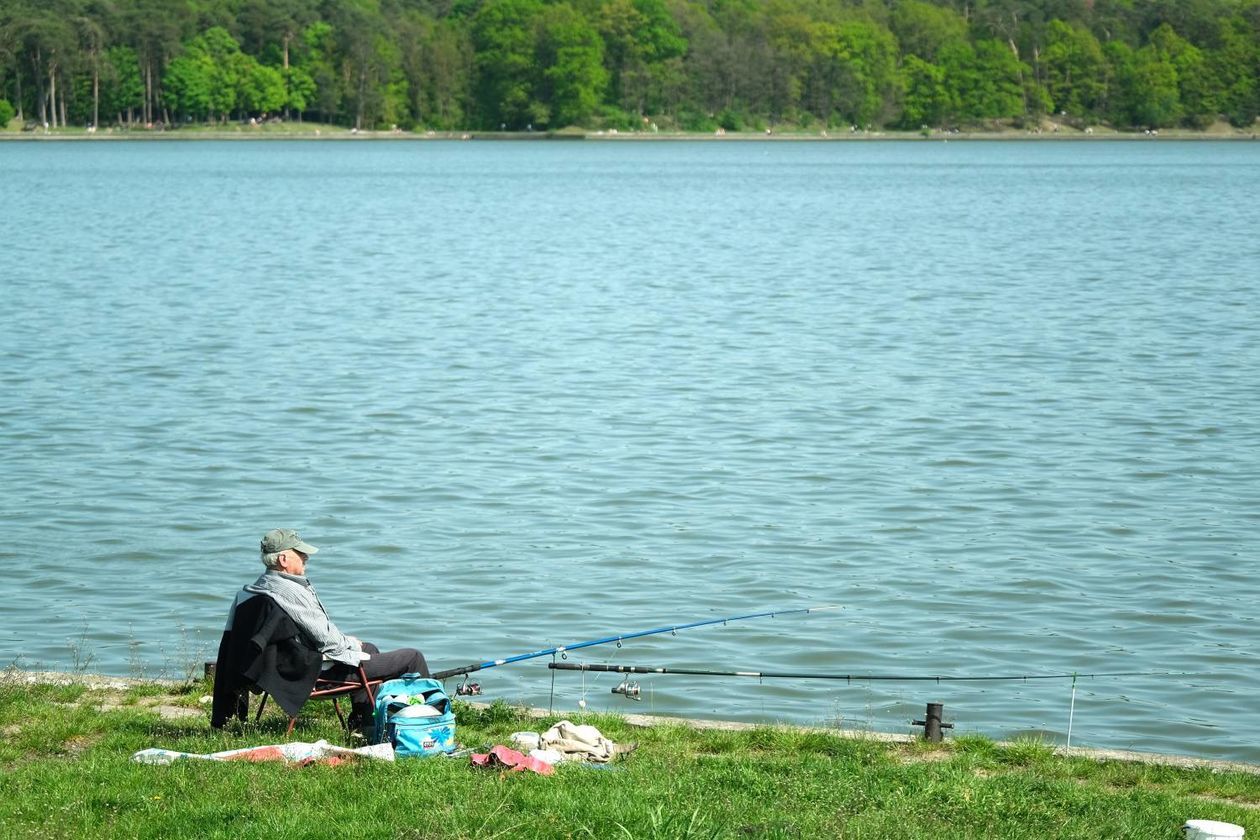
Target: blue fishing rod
x,y
672,628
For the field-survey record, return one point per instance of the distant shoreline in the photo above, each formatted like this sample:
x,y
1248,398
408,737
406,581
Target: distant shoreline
x,y
346,135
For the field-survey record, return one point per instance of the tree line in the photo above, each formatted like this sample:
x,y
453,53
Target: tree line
x,y
624,64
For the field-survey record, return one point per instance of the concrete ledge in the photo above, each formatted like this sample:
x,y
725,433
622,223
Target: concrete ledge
x,y
91,681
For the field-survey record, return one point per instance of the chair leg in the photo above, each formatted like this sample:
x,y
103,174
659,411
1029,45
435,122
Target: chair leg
x,y
340,716
292,721
367,687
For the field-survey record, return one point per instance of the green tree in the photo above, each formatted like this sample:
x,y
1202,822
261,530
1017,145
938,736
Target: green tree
x,y
504,37
368,66
44,43
155,30
852,75
1196,83
320,63
188,84
1197,20
571,53
387,68
6,114
460,63
262,90
1121,59
986,81
91,34
1235,64
923,28
300,90
228,66
793,42
123,86
269,31
927,96
728,65
437,59
869,82
266,24
1074,69
1150,94
643,47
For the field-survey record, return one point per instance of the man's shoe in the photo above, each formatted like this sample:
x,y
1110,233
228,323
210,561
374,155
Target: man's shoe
x,y
362,724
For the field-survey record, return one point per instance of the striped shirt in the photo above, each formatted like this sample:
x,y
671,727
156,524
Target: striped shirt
x,y
298,599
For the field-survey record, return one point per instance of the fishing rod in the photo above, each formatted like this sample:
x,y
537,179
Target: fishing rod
x,y
672,628
640,669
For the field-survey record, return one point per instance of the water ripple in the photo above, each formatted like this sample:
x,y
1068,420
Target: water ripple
x,y
527,394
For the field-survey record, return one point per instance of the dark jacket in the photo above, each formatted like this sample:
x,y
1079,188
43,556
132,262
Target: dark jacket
x,y
263,650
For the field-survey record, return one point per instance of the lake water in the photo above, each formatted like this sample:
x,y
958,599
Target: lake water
x,y
998,400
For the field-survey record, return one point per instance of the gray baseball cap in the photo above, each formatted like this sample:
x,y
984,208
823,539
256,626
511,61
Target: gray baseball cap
x,y
283,539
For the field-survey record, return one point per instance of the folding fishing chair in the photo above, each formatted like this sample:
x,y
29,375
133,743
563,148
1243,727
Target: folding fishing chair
x,y
327,688
265,653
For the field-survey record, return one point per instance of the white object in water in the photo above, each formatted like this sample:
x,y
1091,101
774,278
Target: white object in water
x,y
1211,830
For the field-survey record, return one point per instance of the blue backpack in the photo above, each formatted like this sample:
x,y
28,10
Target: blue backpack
x,y
403,720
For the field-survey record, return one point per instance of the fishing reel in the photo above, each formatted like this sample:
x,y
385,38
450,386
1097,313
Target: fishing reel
x,y
629,690
467,689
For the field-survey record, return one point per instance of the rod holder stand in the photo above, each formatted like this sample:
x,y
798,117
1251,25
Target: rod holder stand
x,y
931,723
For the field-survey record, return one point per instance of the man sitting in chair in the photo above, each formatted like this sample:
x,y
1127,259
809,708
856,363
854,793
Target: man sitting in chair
x,y
285,555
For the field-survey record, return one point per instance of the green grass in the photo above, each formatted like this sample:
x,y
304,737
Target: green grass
x,y
66,771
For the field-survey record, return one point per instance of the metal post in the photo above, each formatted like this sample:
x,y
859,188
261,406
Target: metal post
x,y
932,724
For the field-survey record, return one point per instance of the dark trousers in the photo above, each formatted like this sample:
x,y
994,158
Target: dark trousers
x,y
382,666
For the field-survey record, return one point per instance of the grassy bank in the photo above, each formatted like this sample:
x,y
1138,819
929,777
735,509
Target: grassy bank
x,y
66,771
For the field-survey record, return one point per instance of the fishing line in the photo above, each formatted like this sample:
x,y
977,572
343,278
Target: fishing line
x,y
584,690
551,700
937,678
595,682
1071,711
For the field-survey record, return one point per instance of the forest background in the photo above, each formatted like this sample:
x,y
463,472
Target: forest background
x,y
690,65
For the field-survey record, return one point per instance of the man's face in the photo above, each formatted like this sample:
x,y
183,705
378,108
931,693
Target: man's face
x,y
293,562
